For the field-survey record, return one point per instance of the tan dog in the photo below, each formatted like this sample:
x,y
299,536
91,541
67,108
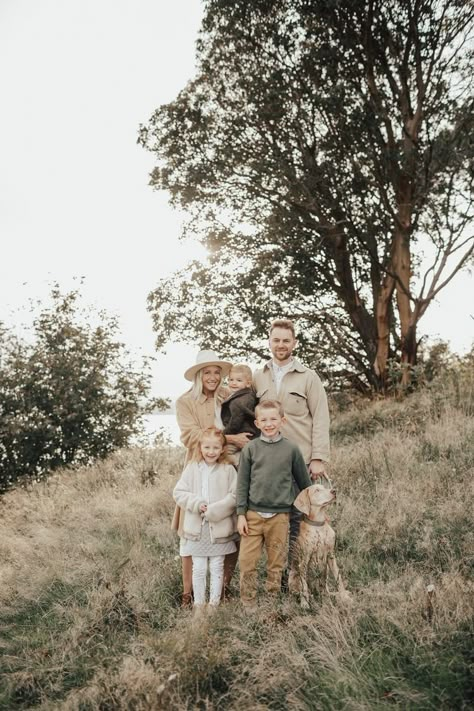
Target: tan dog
x,y
315,544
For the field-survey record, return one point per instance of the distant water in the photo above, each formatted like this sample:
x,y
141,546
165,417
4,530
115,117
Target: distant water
x,y
162,422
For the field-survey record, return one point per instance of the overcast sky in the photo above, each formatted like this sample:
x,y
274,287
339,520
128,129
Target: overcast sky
x,y
77,78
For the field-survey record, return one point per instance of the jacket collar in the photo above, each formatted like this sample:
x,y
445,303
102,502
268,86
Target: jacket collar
x,y
295,365
242,391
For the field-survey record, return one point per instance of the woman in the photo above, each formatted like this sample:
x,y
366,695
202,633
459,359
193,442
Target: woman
x,y
197,410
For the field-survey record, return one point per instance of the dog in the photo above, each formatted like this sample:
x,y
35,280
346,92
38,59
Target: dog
x,y
314,545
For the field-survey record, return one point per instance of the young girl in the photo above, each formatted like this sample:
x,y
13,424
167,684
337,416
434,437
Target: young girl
x,y
206,494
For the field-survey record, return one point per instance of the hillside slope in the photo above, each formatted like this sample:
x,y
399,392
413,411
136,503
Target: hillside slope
x,y
90,579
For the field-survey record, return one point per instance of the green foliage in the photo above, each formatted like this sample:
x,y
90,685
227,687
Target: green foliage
x,y
323,155
67,395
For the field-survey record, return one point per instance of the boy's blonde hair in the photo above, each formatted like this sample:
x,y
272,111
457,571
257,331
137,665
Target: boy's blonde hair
x,y
208,433
242,368
269,405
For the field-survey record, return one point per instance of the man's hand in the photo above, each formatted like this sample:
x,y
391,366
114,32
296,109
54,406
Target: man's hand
x,y
242,525
317,468
239,440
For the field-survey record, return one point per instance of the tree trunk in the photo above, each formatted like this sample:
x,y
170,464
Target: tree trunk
x,y
402,271
382,314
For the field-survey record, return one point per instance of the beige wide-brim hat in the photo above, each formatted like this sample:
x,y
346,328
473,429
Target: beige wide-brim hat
x,y
205,358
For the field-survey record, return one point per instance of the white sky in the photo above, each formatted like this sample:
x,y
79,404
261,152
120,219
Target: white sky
x,y
77,78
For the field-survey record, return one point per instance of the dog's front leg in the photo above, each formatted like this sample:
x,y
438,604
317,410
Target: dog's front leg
x,y
297,582
334,568
299,579
304,590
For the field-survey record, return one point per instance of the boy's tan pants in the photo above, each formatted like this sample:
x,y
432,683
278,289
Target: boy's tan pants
x,y
273,534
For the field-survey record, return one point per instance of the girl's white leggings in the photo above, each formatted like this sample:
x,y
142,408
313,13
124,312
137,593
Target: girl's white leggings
x,y
216,567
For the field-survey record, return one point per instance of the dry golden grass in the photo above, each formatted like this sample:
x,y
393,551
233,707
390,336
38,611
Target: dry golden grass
x,y
90,579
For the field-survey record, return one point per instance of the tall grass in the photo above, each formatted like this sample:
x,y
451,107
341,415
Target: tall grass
x,y
90,581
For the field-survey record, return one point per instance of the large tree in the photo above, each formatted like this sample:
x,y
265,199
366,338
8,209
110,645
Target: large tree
x,y
324,156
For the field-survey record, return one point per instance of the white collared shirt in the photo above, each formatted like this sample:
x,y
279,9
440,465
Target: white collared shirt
x,y
279,371
276,438
205,472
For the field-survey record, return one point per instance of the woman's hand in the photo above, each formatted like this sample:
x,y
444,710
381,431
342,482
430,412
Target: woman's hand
x,y
203,508
239,440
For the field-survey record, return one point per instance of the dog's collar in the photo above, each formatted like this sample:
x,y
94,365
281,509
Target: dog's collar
x,y
313,523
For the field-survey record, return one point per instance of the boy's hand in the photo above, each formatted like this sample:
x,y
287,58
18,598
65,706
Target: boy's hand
x,y
203,508
242,525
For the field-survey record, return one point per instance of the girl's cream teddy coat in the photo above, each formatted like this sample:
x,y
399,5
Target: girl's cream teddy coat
x,y
220,514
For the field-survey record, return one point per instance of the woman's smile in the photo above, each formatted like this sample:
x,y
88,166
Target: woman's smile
x,y
211,378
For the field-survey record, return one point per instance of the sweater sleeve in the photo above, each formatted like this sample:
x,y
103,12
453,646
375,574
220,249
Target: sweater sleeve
x,y
243,481
318,407
240,409
183,494
187,423
236,420
300,470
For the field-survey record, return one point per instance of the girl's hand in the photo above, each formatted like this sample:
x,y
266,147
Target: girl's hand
x,y
203,508
242,525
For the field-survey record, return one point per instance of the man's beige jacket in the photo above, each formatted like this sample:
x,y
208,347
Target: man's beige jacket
x,y
305,404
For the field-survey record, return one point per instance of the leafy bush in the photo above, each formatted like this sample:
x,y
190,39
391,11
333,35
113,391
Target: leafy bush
x,y
68,395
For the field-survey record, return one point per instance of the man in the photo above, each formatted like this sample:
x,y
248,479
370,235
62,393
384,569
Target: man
x,y
304,401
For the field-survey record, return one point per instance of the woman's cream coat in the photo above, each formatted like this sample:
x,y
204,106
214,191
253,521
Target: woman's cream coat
x,y
220,514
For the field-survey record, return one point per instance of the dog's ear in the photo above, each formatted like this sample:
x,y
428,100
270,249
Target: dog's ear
x,y
302,502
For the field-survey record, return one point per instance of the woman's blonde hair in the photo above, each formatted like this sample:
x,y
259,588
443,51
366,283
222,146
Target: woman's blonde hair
x,y
217,434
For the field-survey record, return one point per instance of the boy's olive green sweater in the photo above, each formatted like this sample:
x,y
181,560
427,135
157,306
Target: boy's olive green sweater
x,y
265,478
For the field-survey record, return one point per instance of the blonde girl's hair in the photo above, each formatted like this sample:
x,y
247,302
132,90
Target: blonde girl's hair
x,y
215,433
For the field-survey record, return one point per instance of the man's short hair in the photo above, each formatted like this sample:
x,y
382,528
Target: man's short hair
x,y
242,368
283,323
269,405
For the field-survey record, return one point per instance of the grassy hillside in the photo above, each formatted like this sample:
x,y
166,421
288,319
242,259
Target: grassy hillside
x,y
90,580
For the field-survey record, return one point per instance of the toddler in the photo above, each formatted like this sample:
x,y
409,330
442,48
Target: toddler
x,y
238,410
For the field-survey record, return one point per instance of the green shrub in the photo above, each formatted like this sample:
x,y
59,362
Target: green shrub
x,y
68,395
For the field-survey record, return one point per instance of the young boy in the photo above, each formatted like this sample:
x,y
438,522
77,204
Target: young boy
x,y
238,410
265,495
